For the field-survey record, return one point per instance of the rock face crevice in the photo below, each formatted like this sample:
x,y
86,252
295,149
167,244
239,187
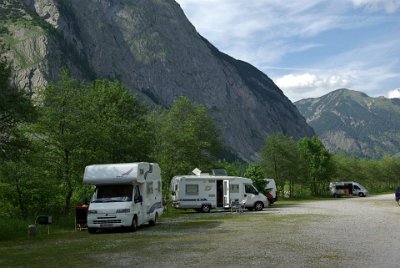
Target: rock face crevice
x,y
151,47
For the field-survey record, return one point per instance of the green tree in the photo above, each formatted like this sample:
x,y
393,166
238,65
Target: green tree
x,y
186,138
116,126
15,109
280,160
317,163
81,124
256,174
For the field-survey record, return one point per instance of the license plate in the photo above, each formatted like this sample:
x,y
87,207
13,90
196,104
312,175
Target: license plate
x,y
106,225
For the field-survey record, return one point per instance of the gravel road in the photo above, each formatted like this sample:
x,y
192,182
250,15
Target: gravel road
x,y
343,232
350,232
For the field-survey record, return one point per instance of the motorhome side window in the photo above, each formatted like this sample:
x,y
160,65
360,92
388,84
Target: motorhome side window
x,y
234,188
192,189
250,189
149,187
137,196
356,187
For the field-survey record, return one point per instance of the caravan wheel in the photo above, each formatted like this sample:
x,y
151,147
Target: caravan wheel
x,y
205,208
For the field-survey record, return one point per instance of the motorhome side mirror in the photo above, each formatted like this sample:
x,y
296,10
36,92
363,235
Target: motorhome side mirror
x,y
257,193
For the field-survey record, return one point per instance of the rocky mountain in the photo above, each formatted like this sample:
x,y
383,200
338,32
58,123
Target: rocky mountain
x,y
152,48
354,123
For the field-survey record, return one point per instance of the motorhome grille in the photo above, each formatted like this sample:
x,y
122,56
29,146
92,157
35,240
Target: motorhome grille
x,y
107,221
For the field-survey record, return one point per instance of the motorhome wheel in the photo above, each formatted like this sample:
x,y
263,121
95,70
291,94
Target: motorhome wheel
x,y
153,222
92,230
361,195
258,206
205,208
134,225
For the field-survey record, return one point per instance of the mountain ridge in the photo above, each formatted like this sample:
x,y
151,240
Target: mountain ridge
x,y
352,122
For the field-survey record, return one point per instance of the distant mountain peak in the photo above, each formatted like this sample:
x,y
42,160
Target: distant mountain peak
x,y
352,122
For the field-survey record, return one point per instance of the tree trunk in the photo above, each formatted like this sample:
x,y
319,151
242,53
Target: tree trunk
x,y
67,179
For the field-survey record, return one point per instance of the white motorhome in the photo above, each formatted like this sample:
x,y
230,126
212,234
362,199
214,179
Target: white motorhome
x,y
270,187
126,195
203,192
347,188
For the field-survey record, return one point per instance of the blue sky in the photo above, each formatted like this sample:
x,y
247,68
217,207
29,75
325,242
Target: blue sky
x,y
308,47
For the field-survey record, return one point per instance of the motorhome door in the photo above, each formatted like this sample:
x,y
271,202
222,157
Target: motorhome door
x,y
226,193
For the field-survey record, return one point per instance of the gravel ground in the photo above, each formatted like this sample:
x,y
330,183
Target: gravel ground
x,y
344,232
353,232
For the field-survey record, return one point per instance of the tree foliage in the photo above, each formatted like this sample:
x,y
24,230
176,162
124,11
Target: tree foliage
x,y
280,160
81,124
186,138
15,109
256,174
317,164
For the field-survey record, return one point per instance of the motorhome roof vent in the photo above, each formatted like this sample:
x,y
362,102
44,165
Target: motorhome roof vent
x,y
219,172
196,172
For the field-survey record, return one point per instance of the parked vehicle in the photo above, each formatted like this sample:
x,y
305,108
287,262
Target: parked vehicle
x,y
204,192
350,188
126,195
397,195
270,187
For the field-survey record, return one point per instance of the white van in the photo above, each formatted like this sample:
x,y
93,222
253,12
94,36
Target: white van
x,y
203,192
126,195
270,187
349,188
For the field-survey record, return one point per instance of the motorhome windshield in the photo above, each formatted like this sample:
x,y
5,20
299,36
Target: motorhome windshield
x,y
113,193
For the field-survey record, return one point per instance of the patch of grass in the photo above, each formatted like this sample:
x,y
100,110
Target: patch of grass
x,y
12,228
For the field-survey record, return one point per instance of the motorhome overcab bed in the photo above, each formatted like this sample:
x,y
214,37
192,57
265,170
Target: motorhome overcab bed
x,y
126,195
204,192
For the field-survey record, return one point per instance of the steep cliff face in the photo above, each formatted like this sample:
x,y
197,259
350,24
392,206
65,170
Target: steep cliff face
x,y
153,49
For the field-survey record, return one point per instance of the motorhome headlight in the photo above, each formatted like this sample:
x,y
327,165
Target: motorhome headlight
x,y
92,211
123,210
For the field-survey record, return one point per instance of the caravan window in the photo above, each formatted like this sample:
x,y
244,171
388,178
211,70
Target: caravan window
x,y
234,188
250,189
192,189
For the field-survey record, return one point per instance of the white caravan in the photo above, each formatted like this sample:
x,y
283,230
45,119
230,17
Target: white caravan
x,y
203,192
126,195
349,188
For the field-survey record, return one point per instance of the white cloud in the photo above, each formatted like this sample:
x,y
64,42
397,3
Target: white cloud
x,y
395,93
389,6
315,85
308,47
